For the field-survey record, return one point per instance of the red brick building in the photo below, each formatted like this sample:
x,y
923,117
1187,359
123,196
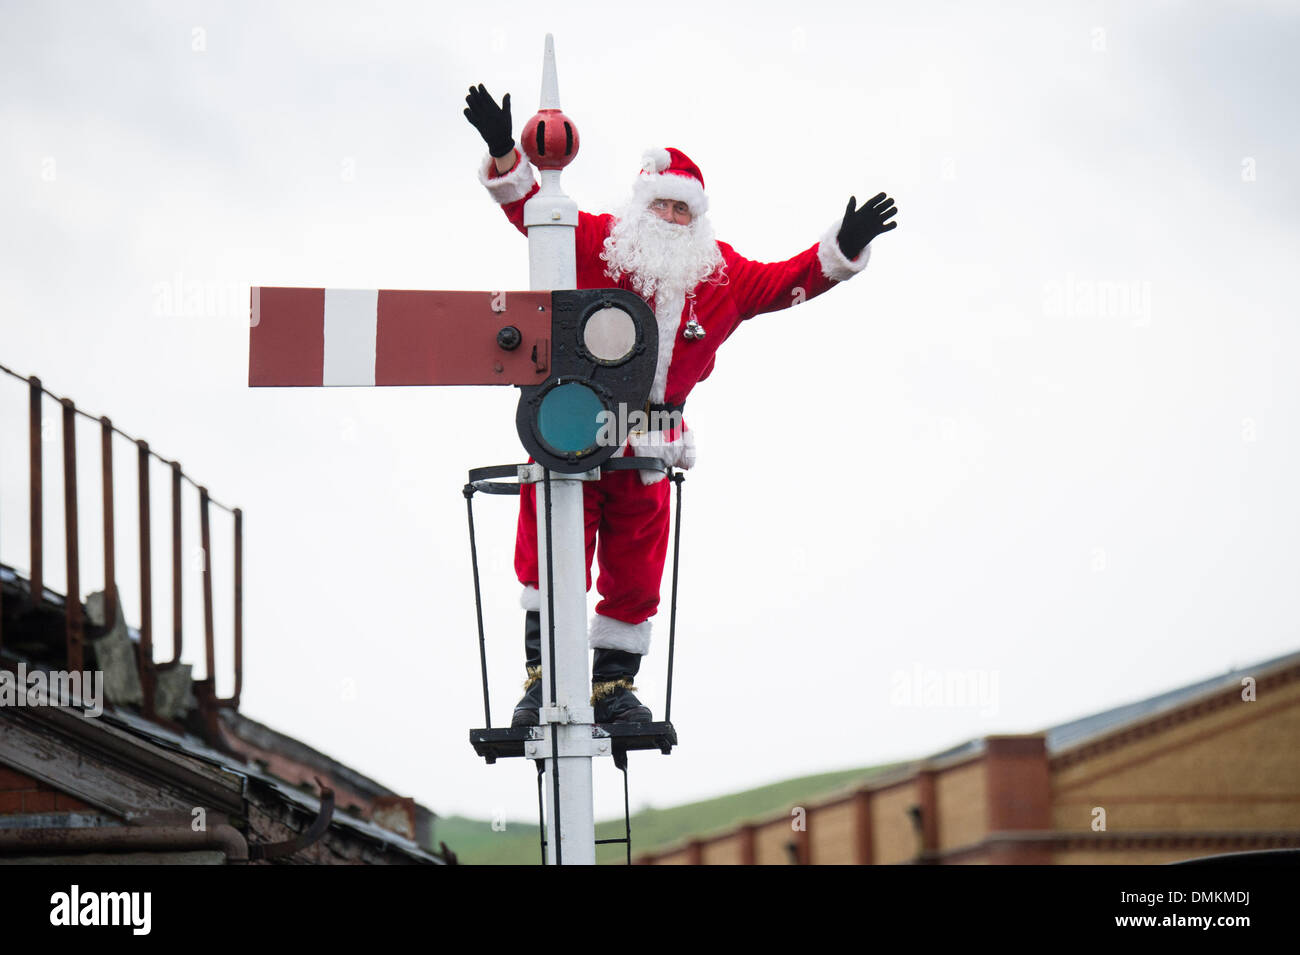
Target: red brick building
x,y
1207,769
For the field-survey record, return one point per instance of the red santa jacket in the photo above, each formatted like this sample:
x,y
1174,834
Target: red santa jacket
x,y
748,288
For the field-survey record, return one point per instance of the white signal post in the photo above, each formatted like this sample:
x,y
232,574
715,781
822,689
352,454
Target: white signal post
x,y
551,218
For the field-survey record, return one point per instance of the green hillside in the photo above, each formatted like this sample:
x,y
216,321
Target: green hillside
x,y
475,843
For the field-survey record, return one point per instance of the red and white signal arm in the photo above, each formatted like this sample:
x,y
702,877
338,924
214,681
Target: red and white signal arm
x,y
371,337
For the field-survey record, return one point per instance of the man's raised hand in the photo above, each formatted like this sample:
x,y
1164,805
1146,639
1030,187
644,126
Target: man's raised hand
x,y
491,121
860,226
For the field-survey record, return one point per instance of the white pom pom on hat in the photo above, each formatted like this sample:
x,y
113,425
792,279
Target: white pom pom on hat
x,y
655,160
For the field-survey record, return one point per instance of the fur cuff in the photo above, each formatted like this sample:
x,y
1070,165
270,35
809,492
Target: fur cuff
x,y
601,690
610,634
679,452
837,266
513,186
531,598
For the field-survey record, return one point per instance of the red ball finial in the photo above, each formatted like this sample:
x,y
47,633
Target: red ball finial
x,y
549,139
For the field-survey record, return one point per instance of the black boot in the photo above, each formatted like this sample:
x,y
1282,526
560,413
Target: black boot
x,y
611,687
527,708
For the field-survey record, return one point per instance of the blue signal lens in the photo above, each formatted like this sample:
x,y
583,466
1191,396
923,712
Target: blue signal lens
x,y
569,418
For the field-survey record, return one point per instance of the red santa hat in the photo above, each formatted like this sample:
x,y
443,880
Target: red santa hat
x,y
670,174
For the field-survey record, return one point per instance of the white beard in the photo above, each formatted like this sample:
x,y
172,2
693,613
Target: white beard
x,y
659,255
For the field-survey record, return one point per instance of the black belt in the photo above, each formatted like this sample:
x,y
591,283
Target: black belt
x,y
673,412
669,409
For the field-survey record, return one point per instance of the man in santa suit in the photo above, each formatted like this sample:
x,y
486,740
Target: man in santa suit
x,y
661,246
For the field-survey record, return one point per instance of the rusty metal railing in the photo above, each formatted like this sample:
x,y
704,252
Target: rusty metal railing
x,y
74,626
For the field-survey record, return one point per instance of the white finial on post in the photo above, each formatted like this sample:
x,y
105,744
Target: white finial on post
x,y
550,84
550,141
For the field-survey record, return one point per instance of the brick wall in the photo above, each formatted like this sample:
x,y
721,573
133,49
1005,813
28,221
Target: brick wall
x,y
20,793
1230,767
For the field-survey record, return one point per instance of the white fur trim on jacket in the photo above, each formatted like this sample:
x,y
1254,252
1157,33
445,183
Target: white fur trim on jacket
x,y
511,187
835,264
668,316
610,634
531,598
680,452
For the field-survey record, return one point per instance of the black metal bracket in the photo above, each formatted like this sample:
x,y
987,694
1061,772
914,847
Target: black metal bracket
x,y
494,744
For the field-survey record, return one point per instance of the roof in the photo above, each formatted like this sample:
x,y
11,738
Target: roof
x,y
248,751
194,747
1078,732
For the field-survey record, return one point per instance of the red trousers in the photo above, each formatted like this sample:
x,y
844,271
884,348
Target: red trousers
x,y
631,520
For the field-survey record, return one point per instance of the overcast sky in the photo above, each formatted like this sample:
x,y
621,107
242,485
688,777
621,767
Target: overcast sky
x,y
1046,441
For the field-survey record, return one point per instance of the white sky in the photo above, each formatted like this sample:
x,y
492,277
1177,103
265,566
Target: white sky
x,y
958,461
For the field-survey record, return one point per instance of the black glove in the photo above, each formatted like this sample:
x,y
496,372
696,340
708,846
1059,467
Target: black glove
x,y
491,121
861,226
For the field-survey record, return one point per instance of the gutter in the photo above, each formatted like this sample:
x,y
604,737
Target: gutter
x,y
224,838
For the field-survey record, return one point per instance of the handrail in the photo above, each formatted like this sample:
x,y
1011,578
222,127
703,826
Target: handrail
x,y
74,627
36,383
